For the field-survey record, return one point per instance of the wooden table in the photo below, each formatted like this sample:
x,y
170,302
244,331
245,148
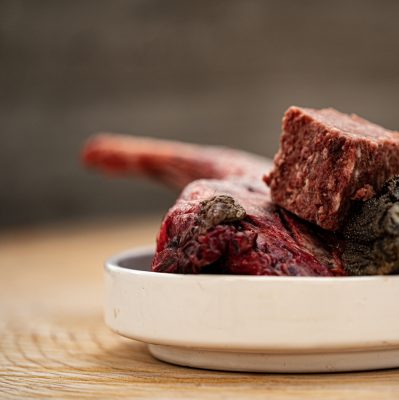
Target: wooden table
x,y
53,342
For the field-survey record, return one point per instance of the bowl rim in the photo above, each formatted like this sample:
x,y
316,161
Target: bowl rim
x,y
113,264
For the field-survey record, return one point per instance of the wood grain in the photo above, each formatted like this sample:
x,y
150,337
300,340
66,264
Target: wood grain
x,y
54,344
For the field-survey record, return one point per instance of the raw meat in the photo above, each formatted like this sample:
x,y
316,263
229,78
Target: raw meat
x,y
223,225
371,234
226,227
173,163
327,160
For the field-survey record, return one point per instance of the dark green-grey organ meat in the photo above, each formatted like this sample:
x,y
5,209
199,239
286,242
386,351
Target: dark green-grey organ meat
x,y
372,234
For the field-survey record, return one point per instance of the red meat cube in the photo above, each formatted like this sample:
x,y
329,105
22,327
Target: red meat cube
x,y
327,160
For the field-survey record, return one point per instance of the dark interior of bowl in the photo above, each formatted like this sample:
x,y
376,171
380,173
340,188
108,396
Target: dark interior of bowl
x,y
140,261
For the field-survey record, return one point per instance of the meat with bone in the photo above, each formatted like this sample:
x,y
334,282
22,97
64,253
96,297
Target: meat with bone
x,y
222,225
173,163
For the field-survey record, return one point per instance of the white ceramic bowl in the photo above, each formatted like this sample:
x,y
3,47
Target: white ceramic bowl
x,y
255,323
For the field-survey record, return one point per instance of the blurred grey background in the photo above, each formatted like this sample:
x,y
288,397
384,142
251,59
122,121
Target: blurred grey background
x,y
209,71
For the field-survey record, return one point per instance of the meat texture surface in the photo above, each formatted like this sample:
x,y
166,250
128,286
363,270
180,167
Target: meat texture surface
x,y
228,227
327,160
223,225
173,163
371,245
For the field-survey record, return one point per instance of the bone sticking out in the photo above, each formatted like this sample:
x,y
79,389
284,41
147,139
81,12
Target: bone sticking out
x,y
173,163
226,224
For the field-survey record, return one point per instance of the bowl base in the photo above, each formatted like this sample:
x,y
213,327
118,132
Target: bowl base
x,y
303,362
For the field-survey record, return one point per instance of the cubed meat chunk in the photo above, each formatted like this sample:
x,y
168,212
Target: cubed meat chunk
x,y
327,160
